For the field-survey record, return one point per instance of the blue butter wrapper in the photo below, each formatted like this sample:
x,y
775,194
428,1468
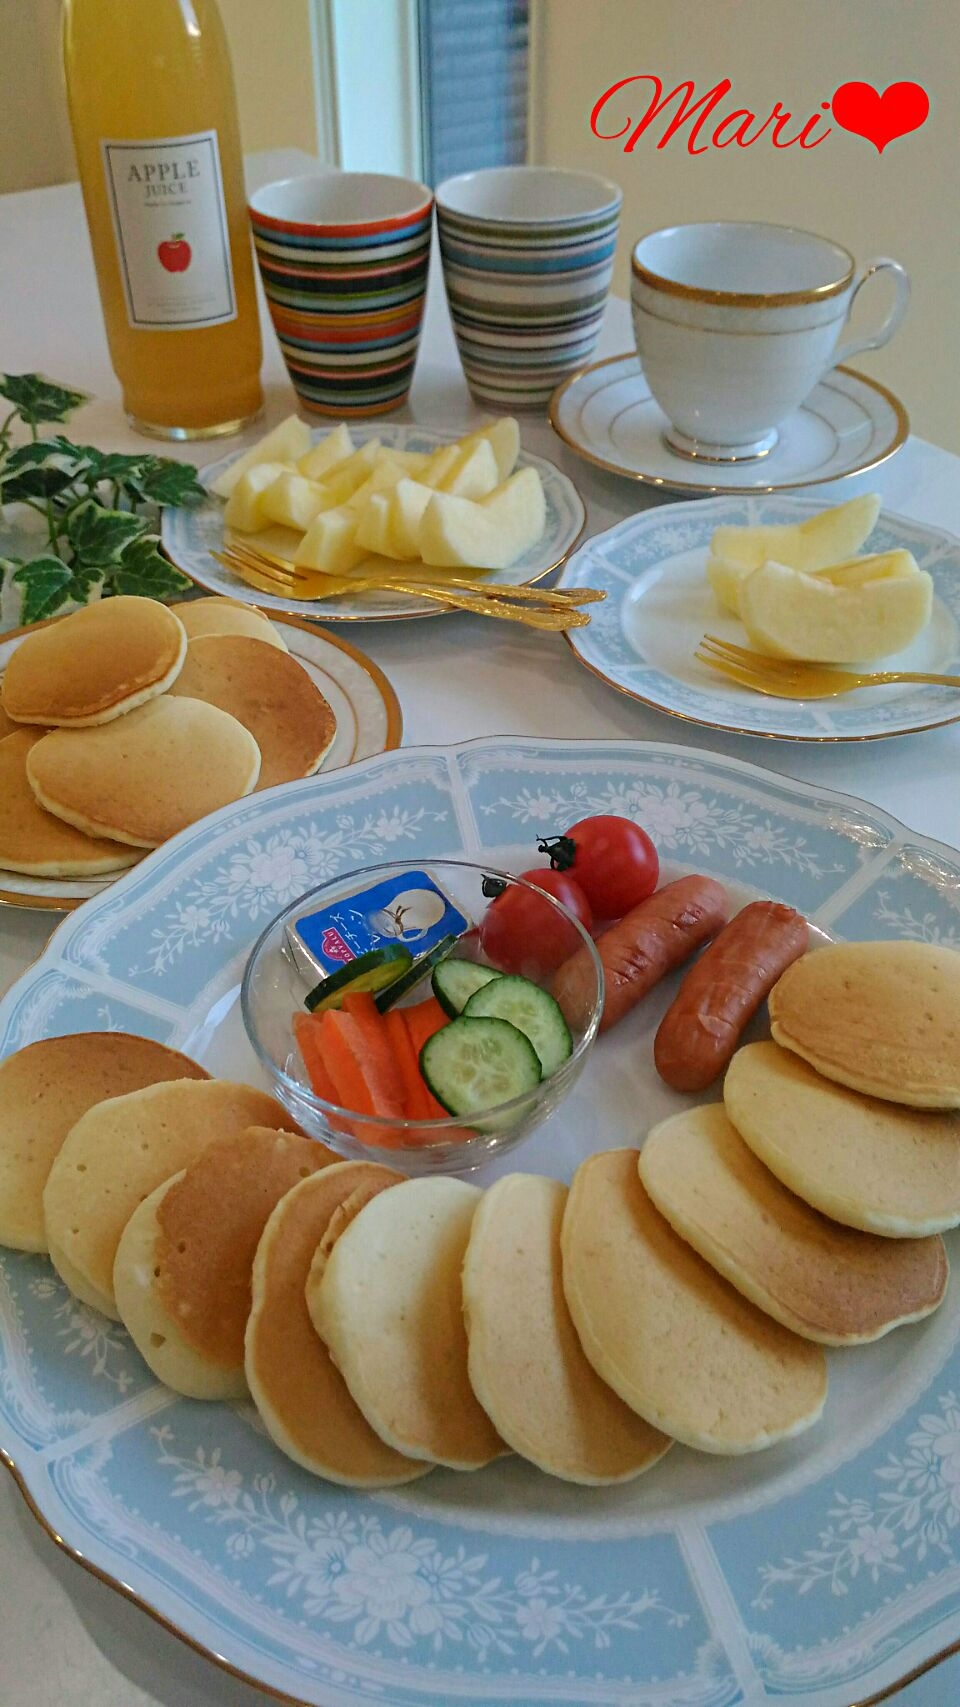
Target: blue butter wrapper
x,y
410,908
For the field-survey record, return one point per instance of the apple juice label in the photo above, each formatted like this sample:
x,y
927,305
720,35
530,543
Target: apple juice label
x,y
411,909
170,224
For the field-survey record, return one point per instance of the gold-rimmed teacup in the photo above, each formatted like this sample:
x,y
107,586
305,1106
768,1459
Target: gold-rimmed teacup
x,y
736,322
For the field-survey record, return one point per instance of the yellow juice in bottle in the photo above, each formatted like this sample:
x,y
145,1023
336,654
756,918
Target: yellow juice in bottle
x,y
153,112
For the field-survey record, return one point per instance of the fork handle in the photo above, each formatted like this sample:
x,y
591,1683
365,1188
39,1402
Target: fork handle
x,y
876,678
553,620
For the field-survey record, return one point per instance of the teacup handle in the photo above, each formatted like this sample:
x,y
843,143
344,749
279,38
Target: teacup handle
x,y
884,332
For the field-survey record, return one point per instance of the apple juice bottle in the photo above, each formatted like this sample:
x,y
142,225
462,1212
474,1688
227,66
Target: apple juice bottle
x,y
152,106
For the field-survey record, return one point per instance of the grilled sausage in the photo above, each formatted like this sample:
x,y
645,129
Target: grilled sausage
x,y
720,995
659,934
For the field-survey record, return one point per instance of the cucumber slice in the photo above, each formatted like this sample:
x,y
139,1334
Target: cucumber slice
x,y
421,968
532,1010
371,971
456,981
471,1065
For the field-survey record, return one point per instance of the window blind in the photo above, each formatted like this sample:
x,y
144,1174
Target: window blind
x,y
473,77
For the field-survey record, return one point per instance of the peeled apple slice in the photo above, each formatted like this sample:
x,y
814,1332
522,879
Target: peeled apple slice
x,y
373,529
330,543
285,443
245,504
792,615
503,436
489,534
408,500
342,481
321,459
828,537
727,578
292,500
474,474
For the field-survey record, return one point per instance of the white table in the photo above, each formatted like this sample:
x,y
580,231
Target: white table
x,y
66,1640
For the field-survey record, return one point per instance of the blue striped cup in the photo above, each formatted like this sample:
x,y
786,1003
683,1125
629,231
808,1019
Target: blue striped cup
x,y
527,260
344,258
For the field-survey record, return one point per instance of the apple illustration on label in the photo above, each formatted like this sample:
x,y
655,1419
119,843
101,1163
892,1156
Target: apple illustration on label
x,y
174,253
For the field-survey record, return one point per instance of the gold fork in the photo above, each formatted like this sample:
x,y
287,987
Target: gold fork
x,y
789,678
545,608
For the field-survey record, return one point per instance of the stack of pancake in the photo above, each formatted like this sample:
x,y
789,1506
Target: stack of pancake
x,y
126,721
383,1325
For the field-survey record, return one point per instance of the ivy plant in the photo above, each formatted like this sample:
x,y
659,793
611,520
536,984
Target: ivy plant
x,y
99,508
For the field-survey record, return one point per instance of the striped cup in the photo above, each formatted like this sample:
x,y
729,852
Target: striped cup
x,y
527,260
343,258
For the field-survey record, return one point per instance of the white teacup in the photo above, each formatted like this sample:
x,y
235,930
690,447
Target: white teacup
x,y
737,322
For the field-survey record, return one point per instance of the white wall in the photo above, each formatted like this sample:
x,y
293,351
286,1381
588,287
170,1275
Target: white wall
x,y
904,202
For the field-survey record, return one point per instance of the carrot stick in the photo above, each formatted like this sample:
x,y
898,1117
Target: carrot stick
x,y
377,1062
341,1043
416,1097
306,1030
422,1020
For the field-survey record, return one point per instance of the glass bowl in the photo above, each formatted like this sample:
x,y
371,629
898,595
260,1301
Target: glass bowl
x,y
275,984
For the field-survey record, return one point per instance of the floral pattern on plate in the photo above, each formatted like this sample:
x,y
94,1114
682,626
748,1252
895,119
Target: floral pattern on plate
x,y
821,1570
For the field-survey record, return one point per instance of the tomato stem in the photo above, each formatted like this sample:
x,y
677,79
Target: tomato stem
x,y
562,851
491,887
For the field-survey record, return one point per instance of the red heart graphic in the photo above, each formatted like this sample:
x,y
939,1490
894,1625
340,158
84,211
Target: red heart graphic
x,y
880,118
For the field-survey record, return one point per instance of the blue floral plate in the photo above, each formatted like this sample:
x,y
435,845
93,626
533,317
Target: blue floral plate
x,y
641,639
821,1571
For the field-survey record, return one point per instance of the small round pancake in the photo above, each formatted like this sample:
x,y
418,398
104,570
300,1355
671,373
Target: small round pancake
x,y
182,1271
34,841
119,1152
881,1017
526,1364
148,777
302,1398
678,1344
7,725
44,1089
828,1283
94,665
389,1308
270,694
860,1160
220,615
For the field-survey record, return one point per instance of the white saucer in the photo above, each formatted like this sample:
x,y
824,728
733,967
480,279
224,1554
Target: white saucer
x,y
848,424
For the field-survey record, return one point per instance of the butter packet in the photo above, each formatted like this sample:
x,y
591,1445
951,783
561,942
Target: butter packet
x,y
409,908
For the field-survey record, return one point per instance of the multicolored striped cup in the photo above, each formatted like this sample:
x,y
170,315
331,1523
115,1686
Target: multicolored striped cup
x,y
527,260
343,258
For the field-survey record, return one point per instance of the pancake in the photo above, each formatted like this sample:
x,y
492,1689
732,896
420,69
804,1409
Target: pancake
x,y
44,1089
389,1309
860,1160
270,693
526,1363
7,725
679,1345
119,1152
94,665
182,1271
219,615
881,1017
162,768
828,1283
303,1400
34,841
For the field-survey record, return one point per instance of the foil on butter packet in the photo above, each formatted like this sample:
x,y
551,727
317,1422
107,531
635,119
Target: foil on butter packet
x,y
409,908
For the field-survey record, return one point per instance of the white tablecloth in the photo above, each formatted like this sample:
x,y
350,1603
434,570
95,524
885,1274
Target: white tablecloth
x,y
65,1639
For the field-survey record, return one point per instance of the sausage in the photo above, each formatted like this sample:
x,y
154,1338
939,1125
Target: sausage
x,y
658,934
720,995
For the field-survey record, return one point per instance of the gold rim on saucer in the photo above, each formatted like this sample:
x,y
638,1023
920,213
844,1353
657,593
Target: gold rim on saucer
x,y
394,738
665,483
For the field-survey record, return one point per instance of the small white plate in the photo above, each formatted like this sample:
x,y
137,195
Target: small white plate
x,y
364,704
659,605
189,537
848,424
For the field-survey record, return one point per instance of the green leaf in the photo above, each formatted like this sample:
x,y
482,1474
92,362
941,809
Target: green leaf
x,y
163,481
39,470
38,399
142,570
98,536
45,582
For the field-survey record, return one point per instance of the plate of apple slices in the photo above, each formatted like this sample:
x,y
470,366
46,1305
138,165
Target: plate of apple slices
x,y
354,500
850,585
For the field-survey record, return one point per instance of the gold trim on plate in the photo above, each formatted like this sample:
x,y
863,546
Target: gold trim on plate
x,y
394,736
666,483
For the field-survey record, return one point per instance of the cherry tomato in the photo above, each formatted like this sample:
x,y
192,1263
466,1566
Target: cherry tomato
x,y
520,933
612,859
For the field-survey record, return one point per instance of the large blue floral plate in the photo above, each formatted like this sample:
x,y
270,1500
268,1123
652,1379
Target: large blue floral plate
x,y
819,1572
191,536
641,639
